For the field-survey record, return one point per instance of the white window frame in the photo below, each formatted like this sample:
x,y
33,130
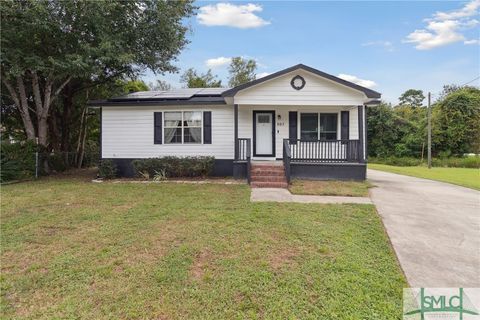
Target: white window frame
x,y
183,128
299,124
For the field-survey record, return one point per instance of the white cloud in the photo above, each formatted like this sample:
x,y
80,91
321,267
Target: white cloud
x,y
473,41
445,28
469,10
231,15
262,74
357,80
387,45
440,34
218,62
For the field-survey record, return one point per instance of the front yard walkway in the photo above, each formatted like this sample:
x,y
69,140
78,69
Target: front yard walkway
x,y
434,228
283,195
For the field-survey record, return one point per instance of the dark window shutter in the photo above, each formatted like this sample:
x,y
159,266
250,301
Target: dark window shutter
x,y
157,124
292,126
345,122
207,127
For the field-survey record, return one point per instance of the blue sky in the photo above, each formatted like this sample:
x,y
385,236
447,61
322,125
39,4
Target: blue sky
x,y
391,46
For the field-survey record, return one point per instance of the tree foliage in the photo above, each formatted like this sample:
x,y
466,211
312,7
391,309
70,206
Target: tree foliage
x,y
192,79
160,85
241,71
412,97
49,46
135,86
457,122
401,131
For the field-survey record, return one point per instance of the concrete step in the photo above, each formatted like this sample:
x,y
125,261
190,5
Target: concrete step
x,y
263,184
269,178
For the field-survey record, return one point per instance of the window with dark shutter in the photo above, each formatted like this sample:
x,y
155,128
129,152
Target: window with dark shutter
x,y
157,125
207,127
292,126
345,121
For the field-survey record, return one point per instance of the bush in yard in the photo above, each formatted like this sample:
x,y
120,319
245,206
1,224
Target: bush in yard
x,y
107,169
175,166
56,162
17,160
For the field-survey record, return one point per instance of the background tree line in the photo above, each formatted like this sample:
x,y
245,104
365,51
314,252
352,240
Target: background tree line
x,y
401,130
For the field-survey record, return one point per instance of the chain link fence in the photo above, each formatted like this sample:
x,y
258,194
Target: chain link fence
x,y
24,161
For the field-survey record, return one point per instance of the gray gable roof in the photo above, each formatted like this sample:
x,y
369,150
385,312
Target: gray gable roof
x,y
368,92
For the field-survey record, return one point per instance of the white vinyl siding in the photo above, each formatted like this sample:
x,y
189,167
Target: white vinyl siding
x,y
318,91
128,132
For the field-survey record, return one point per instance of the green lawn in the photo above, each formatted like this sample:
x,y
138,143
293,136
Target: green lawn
x,y
330,188
74,249
466,177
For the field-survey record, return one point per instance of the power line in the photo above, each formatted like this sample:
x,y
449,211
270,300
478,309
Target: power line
x,y
470,81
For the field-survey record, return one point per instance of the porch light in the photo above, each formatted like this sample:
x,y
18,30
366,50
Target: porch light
x,y
279,117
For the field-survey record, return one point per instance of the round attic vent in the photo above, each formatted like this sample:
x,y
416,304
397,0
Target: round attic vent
x,y
297,82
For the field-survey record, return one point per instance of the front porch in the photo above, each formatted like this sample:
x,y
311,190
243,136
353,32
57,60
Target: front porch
x,y
319,143
311,160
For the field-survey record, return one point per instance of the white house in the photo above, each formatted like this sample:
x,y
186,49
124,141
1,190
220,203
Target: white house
x,y
310,122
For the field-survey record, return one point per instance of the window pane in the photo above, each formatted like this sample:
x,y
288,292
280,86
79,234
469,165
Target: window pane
x,y
173,119
328,126
173,135
192,119
328,136
263,118
309,126
328,122
193,135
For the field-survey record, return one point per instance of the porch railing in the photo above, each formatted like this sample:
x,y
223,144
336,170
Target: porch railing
x,y
243,153
287,155
323,150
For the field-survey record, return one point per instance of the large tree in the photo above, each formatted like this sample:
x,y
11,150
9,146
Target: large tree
x,y
192,79
242,71
50,46
456,122
412,97
160,85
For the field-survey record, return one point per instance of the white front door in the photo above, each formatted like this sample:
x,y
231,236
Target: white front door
x,y
264,134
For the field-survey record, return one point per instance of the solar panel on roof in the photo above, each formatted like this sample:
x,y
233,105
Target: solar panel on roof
x,y
180,94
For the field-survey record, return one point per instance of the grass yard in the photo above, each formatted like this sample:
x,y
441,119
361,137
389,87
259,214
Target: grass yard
x,y
465,177
330,188
75,249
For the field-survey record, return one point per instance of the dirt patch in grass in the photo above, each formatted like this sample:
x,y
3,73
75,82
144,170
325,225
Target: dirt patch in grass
x,y
330,188
200,263
283,257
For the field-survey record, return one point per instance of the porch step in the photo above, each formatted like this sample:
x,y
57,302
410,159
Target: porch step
x,y
269,178
257,172
269,175
262,184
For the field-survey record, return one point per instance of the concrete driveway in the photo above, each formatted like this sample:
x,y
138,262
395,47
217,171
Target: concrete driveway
x,y
434,228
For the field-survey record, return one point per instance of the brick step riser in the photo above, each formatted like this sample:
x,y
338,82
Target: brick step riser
x,y
268,167
269,174
268,179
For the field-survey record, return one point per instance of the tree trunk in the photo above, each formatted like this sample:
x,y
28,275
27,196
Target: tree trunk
x,y
79,141
20,100
66,118
42,131
54,133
